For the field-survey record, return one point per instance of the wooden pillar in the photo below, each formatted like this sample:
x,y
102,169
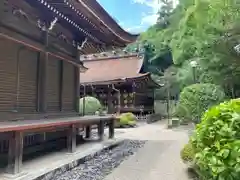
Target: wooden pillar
x,y
109,101
88,130
101,130
118,99
15,153
43,78
152,102
61,86
111,126
119,102
43,74
77,88
71,139
134,94
77,80
84,99
43,82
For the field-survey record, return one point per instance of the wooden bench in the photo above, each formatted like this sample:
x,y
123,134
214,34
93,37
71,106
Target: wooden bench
x,y
18,128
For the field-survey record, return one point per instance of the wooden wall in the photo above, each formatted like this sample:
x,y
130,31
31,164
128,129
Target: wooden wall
x,y
21,90
34,83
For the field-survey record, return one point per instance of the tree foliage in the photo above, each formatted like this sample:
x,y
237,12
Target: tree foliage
x,y
216,142
201,30
197,98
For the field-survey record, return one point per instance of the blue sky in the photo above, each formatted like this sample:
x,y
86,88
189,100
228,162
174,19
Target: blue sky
x,y
133,15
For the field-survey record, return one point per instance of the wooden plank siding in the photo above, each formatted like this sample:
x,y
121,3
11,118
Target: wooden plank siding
x,y
27,81
68,87
19,78
53,85
8,77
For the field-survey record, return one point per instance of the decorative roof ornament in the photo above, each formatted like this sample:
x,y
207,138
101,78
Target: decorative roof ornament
x,y
53,23
83,44
41,25
20,12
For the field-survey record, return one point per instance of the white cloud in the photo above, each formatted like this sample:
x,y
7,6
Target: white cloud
x,y
135,29
153,4
148,18
151,17
131,29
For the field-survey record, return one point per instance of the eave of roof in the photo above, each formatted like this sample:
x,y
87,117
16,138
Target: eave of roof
x,y
82,8
117,80
151,83
93,5
111,69
108,55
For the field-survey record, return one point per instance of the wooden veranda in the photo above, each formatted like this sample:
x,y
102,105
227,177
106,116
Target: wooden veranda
x,y
17,129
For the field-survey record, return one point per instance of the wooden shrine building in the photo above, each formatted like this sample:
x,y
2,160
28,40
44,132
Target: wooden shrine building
x,y
118,80
40,45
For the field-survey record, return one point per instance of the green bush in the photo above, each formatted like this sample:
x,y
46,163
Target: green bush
x,y
216,142
91,105
187,153
196,99
127,119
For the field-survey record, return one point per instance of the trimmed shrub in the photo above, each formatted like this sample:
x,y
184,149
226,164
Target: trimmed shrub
x,y
216,142
91,105
196,99
187,153
127,119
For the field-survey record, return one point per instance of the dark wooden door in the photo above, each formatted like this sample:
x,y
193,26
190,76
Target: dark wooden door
x,y
8,80
68,87
53,85
27,81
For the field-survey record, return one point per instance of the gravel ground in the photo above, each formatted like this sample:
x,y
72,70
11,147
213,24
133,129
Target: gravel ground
x,y
100,165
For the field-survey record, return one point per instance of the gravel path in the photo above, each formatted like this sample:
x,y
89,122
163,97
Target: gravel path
x,y
159,159
149,152
97,167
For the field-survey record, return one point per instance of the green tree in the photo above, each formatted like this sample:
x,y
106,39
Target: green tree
x,y
200,35
164,13
200,30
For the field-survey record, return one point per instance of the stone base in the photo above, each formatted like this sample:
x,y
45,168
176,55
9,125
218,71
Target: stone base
x,y
169,126
14,176
73,153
